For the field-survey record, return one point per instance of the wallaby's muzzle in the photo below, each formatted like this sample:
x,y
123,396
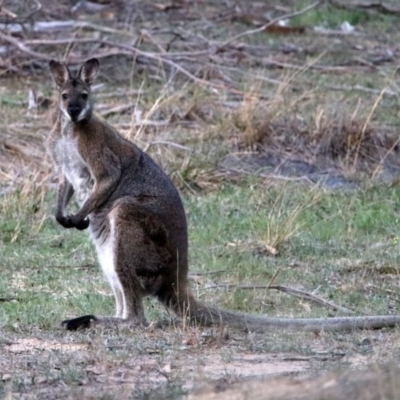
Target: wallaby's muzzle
x,y
74,111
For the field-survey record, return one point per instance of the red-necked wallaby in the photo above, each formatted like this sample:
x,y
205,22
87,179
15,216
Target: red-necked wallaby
x,y
136,218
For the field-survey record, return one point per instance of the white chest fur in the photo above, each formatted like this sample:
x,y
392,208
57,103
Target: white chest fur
x,y
74,168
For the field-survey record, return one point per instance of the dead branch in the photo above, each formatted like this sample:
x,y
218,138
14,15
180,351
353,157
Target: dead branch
x,y
59,26
289,290
20,46
311,297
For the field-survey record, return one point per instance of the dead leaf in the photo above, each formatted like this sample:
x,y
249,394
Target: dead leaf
x,y
271,249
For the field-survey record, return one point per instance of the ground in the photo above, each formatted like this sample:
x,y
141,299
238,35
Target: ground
x,y
283,141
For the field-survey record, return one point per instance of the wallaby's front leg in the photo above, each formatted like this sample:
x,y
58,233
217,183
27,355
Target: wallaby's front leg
x,y
65,192
106,178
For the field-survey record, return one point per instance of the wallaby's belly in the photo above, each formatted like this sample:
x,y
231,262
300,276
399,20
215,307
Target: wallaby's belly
x,y
74,168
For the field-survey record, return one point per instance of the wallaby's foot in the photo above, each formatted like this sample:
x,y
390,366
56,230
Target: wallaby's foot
x,y
70,222
77,323
88,321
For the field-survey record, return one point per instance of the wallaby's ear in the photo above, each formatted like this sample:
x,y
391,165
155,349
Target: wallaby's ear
x,y
89,70
60,72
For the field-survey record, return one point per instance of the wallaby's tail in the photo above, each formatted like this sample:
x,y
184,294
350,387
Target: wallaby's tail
x,y
187,306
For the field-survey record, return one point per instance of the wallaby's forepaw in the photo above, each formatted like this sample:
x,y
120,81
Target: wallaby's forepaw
x,y
70,221
78,323
82,224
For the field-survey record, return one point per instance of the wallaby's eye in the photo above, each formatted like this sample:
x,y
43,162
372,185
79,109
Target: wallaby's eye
x,y
84,96
64,96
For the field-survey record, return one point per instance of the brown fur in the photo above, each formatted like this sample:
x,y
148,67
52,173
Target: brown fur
x,y
136,218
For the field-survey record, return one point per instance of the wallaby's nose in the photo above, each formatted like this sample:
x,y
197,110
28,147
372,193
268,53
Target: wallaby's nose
x,y
74,110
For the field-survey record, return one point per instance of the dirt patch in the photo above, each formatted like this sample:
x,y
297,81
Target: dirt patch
x,y
377,382
255,365
31,345
269,165
159,363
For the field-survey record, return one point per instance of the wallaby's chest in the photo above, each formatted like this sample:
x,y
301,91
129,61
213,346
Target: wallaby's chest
x,y
74,167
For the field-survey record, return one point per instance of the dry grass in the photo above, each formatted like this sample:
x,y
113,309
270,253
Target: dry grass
x,y
283,225
287,104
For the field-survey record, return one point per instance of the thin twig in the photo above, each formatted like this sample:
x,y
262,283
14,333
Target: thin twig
x,y
138,124
362,89
274,276
21,20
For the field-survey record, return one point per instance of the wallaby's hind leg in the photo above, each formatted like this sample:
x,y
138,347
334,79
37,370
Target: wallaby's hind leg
x,y
106,255
111,247
135,255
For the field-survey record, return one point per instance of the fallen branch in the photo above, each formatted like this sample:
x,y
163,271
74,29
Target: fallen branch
x,y
292,291
20,46
57,26
311,297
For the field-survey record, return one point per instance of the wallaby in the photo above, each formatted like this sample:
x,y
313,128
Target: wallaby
x,y
136,219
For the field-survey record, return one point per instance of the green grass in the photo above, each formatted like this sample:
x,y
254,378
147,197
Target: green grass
x,y
343,242
345,247
331,17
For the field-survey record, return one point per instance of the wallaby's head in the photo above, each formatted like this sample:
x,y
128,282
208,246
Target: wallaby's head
x,y
75,101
